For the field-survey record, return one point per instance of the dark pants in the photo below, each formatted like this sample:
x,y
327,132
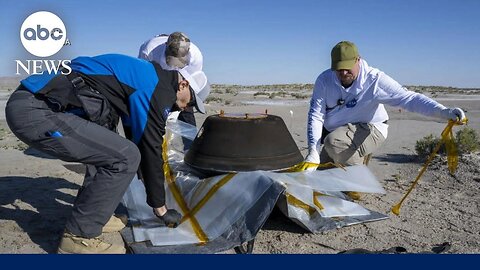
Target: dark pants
x,y
74,139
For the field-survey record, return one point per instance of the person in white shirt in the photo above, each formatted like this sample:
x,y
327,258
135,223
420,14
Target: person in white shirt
x,y
176,52
347,108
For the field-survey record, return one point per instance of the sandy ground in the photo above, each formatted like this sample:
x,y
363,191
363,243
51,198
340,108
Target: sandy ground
x,y
36,192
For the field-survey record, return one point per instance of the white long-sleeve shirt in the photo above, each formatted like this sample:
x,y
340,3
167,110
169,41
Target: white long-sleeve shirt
x,y
154,50
363,102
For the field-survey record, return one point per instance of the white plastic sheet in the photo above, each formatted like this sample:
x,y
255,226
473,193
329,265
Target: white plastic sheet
x,y
234,196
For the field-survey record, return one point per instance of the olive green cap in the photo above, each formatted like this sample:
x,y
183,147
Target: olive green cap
x,y
344,55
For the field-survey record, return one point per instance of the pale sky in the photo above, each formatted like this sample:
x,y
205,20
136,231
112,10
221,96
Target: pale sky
x,y
269,42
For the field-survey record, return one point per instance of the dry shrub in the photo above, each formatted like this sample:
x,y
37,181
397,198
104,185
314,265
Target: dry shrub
x,y
467,141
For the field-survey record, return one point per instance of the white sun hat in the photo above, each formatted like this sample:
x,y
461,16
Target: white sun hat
x,y
199,83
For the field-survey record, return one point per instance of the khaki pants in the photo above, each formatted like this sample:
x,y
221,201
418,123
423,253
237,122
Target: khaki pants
x,y
348,145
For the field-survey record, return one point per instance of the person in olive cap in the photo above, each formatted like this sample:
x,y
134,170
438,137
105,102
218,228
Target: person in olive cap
x,y
177,52
347,114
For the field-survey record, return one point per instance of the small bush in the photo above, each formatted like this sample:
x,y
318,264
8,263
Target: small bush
x,y
213,99
426,145
467,140
300,96
261,93
231,91
216,91
278,94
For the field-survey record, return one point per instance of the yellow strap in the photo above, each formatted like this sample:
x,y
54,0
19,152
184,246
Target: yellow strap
x,y
452,154
298,203
302,166
447,138
316,201
208,196
202,237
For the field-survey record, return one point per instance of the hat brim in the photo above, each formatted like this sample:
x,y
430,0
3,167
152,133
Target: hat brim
x,y
198,101
199,104
178,62
346,64
201,89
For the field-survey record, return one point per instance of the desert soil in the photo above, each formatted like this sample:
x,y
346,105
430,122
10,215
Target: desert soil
x,y
36,192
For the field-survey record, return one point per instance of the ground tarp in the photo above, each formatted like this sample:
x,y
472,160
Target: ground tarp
x,y
224,211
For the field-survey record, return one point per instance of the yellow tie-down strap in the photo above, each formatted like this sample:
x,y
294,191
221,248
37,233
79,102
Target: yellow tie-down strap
x,y
202,237
316,201
190,214
208,196
292,200
304,165
452,158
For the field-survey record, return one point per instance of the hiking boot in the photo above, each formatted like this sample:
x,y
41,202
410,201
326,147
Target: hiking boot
x,y
72,244
114,224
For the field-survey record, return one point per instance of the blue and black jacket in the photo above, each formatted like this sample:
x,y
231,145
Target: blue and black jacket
x,y
141,92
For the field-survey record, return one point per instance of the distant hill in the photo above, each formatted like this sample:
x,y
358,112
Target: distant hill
x,y
305,87
12,82
442,89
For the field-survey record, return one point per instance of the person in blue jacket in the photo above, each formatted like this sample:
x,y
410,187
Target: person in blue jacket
x,y
73,117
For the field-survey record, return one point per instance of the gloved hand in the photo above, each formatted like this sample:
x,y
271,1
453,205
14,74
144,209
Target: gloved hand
x,y
313,158
171,218
455,114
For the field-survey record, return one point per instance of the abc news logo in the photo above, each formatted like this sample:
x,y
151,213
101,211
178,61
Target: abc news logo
x,y
43,34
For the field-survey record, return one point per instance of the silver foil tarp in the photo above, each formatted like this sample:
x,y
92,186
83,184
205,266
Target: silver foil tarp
x,y
225,211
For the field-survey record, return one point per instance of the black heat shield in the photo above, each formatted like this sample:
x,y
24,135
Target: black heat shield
x,y
243,142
